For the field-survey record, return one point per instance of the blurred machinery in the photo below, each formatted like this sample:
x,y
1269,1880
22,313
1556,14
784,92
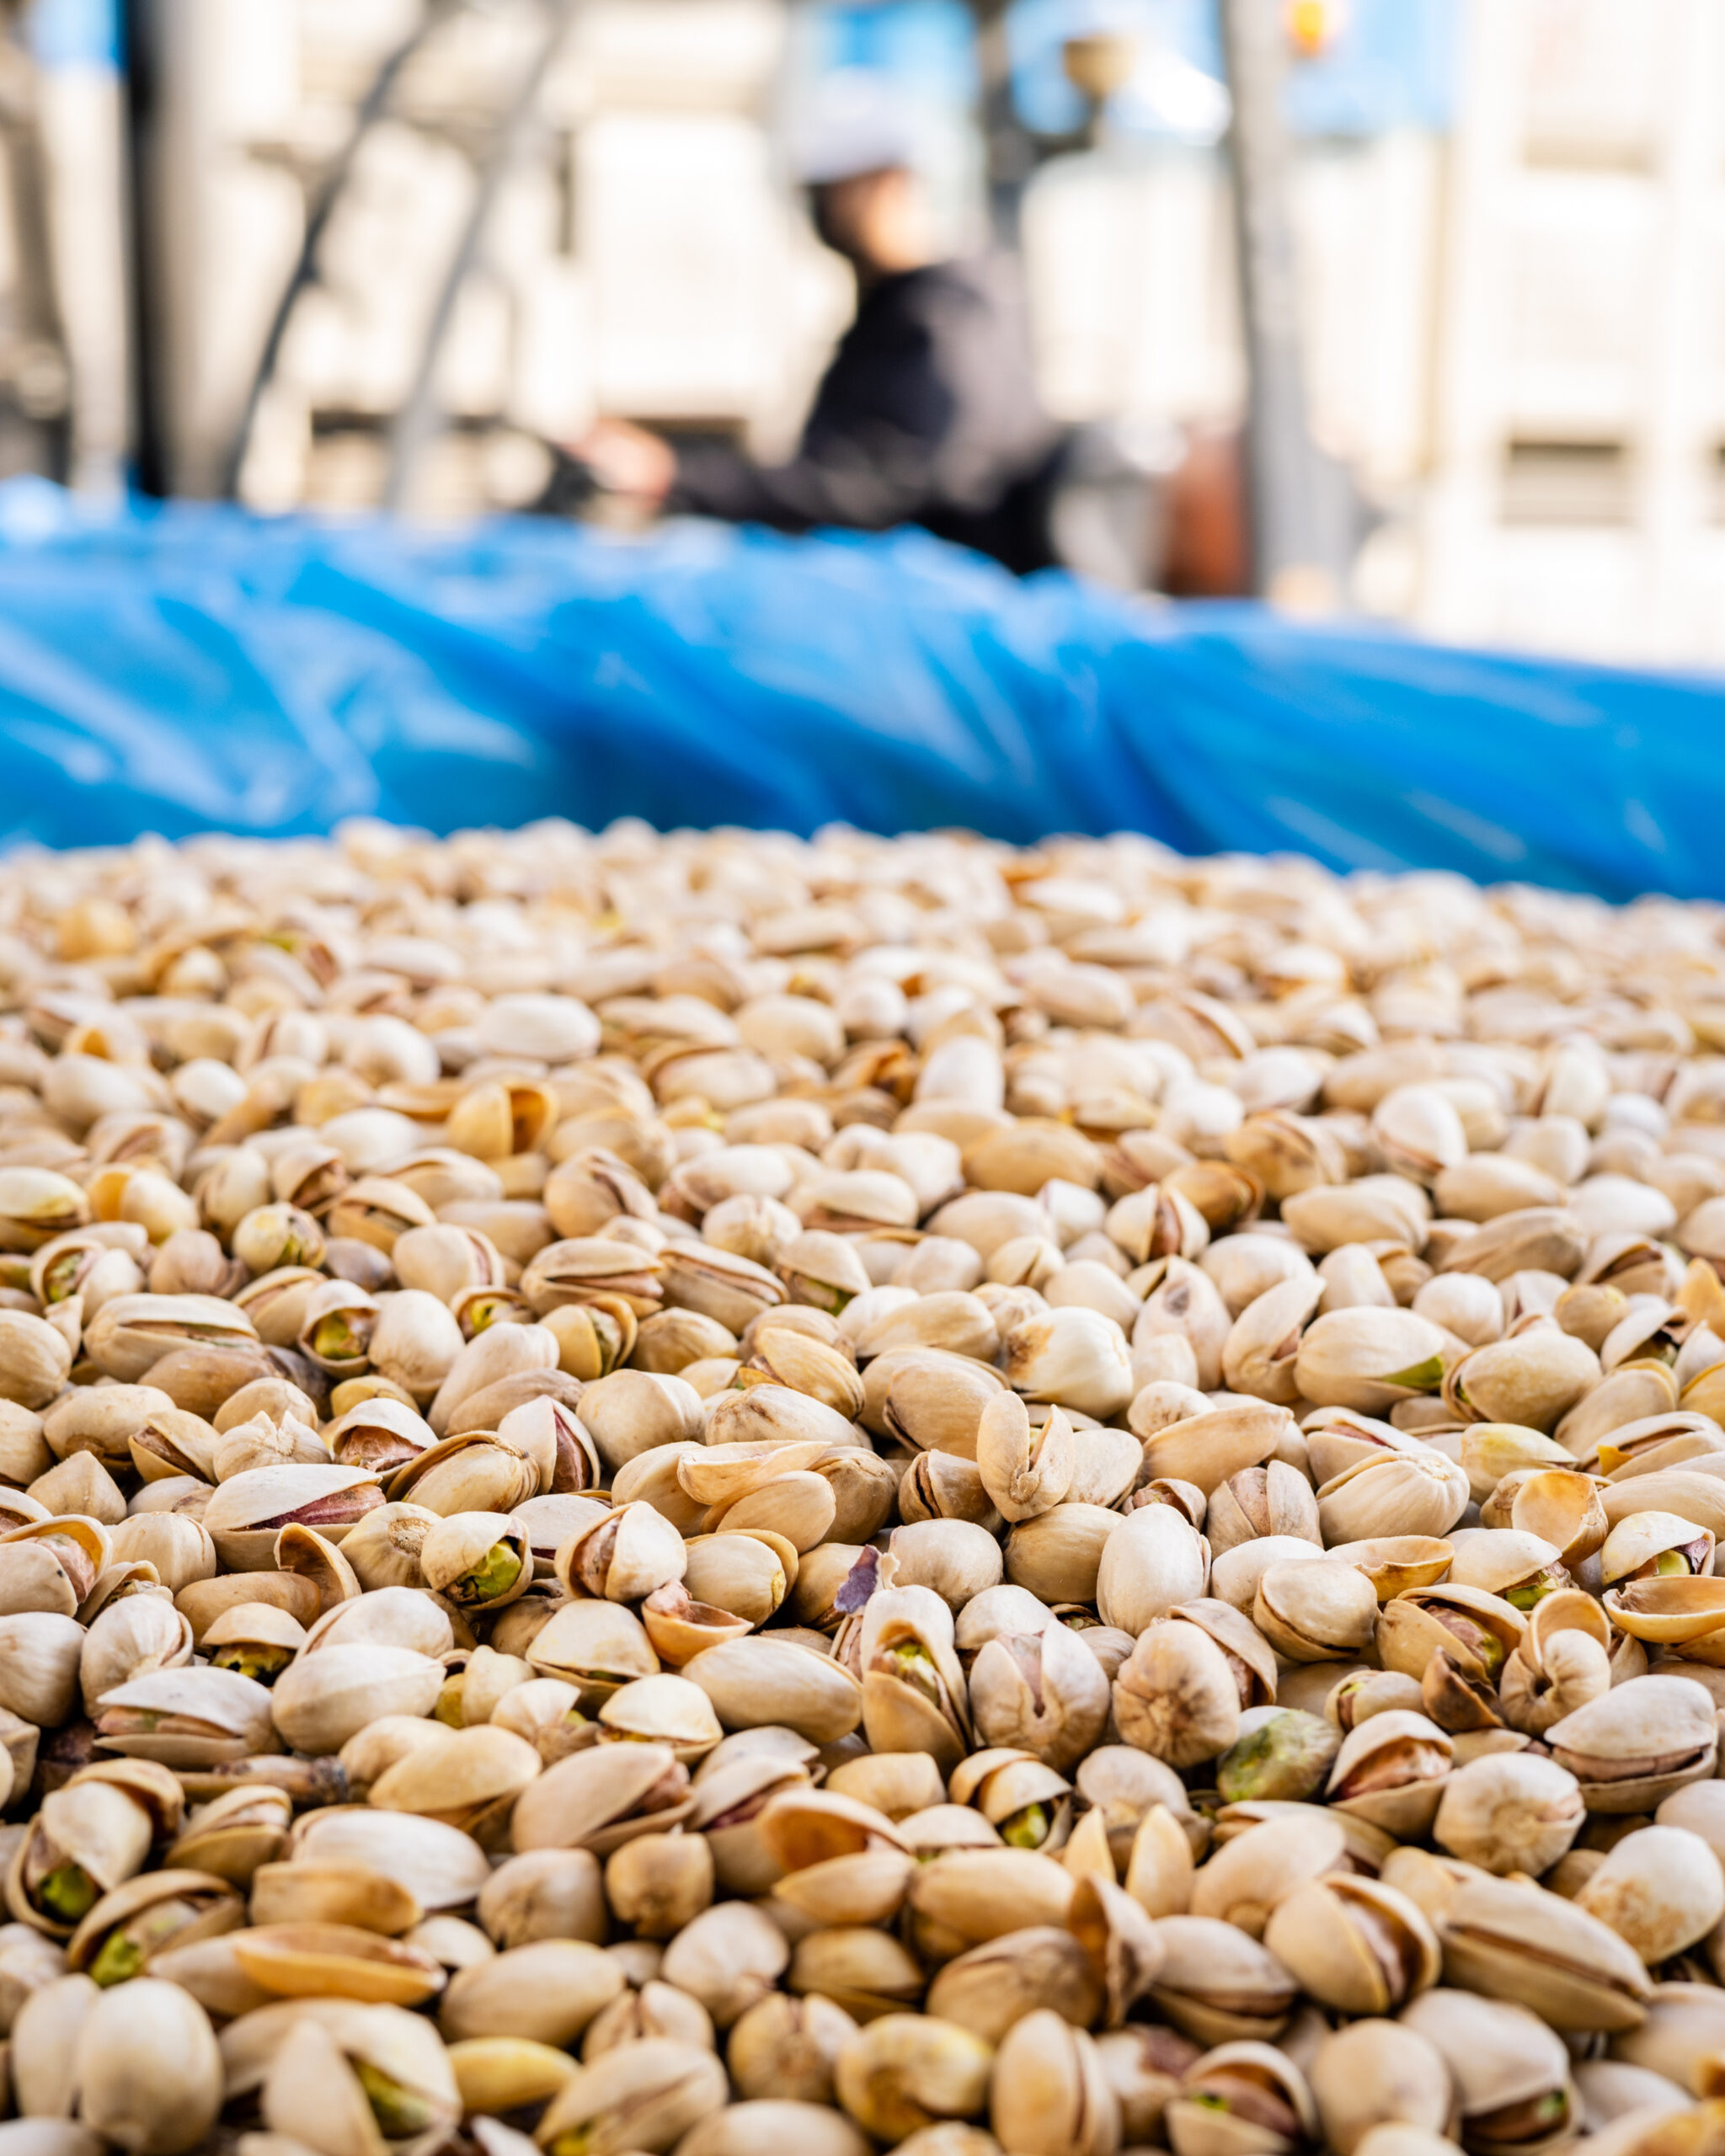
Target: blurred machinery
x,y
1576,496
62,299
386,249
402,243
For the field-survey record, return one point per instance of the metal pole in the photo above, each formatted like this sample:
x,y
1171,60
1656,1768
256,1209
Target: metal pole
x,y
144,199
1010,156
1294,555
418,422
369,110
37,404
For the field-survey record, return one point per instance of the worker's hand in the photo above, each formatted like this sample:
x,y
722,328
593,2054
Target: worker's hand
x,y
626,459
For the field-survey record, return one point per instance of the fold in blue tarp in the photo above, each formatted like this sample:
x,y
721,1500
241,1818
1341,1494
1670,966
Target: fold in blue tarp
x,y
191,668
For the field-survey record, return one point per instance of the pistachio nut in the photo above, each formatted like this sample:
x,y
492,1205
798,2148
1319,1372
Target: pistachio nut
x,y
1355,1946
1373,2073
1660,1888
147,2070
904,2072
1510,2071
1240,2096
1511,1939
1218,1985
786,2046
1635,1743
1049,2092
601,1798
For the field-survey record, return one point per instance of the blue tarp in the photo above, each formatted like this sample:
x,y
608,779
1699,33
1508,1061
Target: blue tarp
x,y
191,668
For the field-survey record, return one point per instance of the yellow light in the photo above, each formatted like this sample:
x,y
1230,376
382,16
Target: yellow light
x,y
1313,24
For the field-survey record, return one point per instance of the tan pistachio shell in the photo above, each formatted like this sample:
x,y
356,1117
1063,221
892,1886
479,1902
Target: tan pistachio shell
x,y
758,1680
598,1799
1315,1611
187,1717
146,2068
1511,1939
203,1600
1218,1985
351,1895
1355,1946
1660,1888
546,1991
306,1961
1637,1743
438,1865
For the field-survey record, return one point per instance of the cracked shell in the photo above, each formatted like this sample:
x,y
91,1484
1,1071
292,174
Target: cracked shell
x,y
1355,1946
903,2071
1513,1941
1240,2100
1638,1742
1217,1985
599,1799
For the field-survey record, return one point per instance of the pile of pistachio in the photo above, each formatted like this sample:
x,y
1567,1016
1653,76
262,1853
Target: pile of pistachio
x,y
709,1495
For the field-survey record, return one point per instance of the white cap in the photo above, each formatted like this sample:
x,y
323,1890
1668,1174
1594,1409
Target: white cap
x,y
856,123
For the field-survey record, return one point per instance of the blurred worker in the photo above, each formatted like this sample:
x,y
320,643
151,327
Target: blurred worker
x,y
928,413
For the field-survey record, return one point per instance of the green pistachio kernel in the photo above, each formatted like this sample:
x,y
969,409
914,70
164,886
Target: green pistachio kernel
x,y
911,1661
1027,1829
68,1892
399,2113
1418,1377
262,1664
120,1960
333,1338
494,1575
820,1295
1284,1759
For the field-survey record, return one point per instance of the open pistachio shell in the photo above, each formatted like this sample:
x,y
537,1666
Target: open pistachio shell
x,y
714,1494
312,1960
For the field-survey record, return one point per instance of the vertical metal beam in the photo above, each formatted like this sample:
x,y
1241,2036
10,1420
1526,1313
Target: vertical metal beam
x,y
34,433
139,29
419,422
370,109
1009,155
1294,543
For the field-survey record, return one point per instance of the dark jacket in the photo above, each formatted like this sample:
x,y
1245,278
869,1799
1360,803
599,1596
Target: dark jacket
x,y
928,414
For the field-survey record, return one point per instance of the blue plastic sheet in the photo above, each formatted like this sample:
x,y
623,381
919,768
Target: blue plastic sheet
x,y
190,668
